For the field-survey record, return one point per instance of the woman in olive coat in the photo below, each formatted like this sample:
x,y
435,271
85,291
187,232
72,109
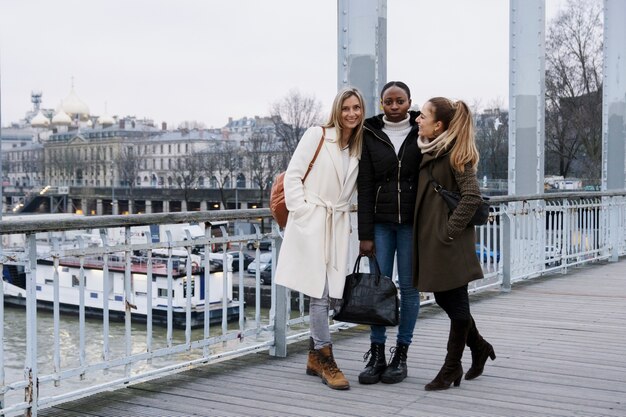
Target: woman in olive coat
x,y
444,248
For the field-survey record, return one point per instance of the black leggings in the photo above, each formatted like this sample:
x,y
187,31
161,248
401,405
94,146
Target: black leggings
x,y
455,303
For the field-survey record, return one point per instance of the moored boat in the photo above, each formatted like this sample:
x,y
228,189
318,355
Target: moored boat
x,y
107,280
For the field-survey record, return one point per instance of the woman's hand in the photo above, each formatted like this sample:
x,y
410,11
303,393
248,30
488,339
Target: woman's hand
x,y
366,247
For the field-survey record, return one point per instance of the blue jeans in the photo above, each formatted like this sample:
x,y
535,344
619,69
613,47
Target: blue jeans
x,y
391,239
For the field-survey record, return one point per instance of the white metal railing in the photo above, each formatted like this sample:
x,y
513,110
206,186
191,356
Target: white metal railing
x,y
63,357
534,235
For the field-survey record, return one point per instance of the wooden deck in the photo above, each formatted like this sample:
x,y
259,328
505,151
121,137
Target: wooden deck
x,y
561,351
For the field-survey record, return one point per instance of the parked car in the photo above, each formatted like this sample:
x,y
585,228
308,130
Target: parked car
x,y
216,261
247,260
264,260
488,256
266,275
264,244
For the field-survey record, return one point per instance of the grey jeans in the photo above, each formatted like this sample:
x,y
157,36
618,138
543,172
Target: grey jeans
x,y
318,312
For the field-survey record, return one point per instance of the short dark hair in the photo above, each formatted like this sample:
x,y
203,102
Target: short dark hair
x,y
398,84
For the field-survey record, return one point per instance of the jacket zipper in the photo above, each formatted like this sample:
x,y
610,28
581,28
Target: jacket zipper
x,y
398,181
376,201
399,191
400,158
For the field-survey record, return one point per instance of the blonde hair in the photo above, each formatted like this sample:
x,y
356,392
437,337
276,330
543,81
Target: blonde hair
x,y
356,138
457,121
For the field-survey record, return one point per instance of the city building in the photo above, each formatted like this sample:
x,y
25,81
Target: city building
x,y
71,149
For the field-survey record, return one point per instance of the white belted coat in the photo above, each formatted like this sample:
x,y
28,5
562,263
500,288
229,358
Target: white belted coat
x,y
316,238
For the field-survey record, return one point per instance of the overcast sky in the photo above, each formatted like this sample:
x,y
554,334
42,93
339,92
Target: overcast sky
x,y
176,60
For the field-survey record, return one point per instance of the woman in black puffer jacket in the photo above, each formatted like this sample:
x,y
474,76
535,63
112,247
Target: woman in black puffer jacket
x,y
387,187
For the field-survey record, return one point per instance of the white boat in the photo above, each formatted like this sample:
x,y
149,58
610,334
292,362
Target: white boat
x,y
99,285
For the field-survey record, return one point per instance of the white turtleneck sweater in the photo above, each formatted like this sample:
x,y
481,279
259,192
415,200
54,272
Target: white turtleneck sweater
x,y
397,132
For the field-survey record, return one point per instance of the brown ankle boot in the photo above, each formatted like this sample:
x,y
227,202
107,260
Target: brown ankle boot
x,y
313,366
331,374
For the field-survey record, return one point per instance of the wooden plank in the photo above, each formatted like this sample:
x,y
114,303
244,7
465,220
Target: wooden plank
x,y
559,343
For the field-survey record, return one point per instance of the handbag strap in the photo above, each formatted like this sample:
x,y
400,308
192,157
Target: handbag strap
x,y
438,187
317,151
373,262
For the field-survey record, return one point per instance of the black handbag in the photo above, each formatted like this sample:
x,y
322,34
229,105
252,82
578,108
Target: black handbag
x,y
369,298
452,199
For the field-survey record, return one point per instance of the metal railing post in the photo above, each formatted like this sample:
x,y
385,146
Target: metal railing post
x,y
506,225
31,374
614,229
281,307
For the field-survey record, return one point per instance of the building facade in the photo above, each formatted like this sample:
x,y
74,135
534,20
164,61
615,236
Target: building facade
x,y
74,149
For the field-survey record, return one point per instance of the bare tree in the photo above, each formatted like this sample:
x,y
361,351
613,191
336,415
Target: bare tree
x,y
191,125
190,169
265,161
292,115
573,90
34,166
128,165
64,163
226,161
492,131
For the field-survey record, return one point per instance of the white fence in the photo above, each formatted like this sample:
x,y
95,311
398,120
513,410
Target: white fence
x,y
57,357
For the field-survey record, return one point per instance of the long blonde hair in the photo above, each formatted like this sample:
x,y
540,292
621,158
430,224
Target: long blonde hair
x,y
457,120
356,139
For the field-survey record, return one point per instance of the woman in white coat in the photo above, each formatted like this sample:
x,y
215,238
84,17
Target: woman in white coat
x,y
314,255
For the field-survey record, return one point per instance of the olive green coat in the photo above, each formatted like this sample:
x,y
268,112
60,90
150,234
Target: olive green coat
x,y
444,252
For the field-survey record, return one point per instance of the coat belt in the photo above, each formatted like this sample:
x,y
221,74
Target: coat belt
x,y
332,213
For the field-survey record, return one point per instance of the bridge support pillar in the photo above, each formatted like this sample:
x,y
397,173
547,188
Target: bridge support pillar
x,y
362,48
526,96
614,113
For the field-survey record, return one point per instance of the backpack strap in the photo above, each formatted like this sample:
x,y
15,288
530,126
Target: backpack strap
x,y
319,147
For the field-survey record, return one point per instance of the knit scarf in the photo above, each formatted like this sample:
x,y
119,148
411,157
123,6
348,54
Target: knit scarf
x,y
430,145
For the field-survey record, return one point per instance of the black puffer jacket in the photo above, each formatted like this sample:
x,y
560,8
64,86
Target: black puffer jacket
x,y
387,181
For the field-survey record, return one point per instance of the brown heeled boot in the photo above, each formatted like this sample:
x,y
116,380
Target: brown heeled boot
x,y
481,350
313,366
331,374
452,370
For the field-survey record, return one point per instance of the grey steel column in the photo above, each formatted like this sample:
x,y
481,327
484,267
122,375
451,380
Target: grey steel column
x,y
526,96
362,48
526,115
614,111
614,96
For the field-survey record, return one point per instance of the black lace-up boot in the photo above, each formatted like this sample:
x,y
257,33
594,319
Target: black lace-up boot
x,y
376,365
396,370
